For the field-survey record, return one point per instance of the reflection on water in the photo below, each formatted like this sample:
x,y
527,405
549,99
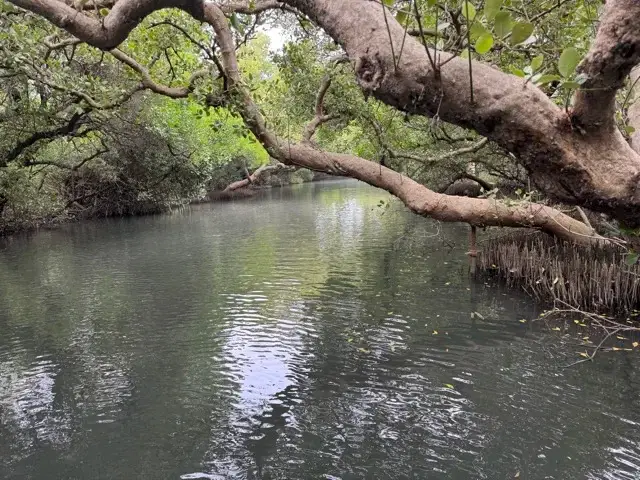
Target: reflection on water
x,y
307,334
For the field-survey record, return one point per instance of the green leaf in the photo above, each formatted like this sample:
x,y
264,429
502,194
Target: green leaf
x,y
536,63
629,129
468,10
402,16
581,78
477,30
520,32
448,385
431,3
236,24
104,12
548,78
517,72
632,259
569,85
389,3
568,61
491,8
502,26
484,43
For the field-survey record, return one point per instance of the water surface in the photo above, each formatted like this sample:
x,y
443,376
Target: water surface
x,y
306,334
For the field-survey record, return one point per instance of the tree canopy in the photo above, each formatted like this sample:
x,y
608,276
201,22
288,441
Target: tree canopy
x,y
406,95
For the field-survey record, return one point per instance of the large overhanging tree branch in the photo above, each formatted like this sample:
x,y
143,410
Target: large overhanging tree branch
x,y
598,169
579,158
543,138
417,197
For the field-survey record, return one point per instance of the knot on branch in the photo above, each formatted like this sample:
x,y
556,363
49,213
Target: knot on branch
x,y
370,72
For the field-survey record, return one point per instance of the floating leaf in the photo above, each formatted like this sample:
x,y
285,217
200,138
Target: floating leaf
x,y
484,43
584,354
520,32
468,10
556,329
536,63
491,8
523,321
477,314
448,385
635,344
502,24
435,332
364,350
568,61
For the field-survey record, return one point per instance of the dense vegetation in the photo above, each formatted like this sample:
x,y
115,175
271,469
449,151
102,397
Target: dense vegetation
x,y
108,119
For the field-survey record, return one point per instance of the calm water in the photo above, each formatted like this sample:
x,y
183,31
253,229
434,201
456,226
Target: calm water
x,y
292,337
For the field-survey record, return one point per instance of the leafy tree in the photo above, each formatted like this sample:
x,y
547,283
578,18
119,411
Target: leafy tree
x,y
548,93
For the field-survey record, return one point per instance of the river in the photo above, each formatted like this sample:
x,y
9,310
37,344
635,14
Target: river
x,y
309,333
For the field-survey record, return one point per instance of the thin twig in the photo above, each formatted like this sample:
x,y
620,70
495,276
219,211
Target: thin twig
x,y
422,38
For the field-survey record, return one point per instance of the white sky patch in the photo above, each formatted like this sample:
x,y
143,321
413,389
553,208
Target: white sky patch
x,y
277,38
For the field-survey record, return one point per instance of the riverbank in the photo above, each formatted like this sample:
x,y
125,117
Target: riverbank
x,y
18,221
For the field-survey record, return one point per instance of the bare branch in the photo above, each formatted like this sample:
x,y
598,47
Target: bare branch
x,y
255,176
319,117
150,84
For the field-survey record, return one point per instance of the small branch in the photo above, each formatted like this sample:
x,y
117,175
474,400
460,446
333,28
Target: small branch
x,y
584,217
422,39
150,84
320,116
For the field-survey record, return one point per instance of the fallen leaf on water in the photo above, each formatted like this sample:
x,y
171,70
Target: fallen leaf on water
x,y
523,321
448,385
620,337
582,324
364,350
517,475
616,349
435,332
635,344
584,354
576,321
556,329
349,340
